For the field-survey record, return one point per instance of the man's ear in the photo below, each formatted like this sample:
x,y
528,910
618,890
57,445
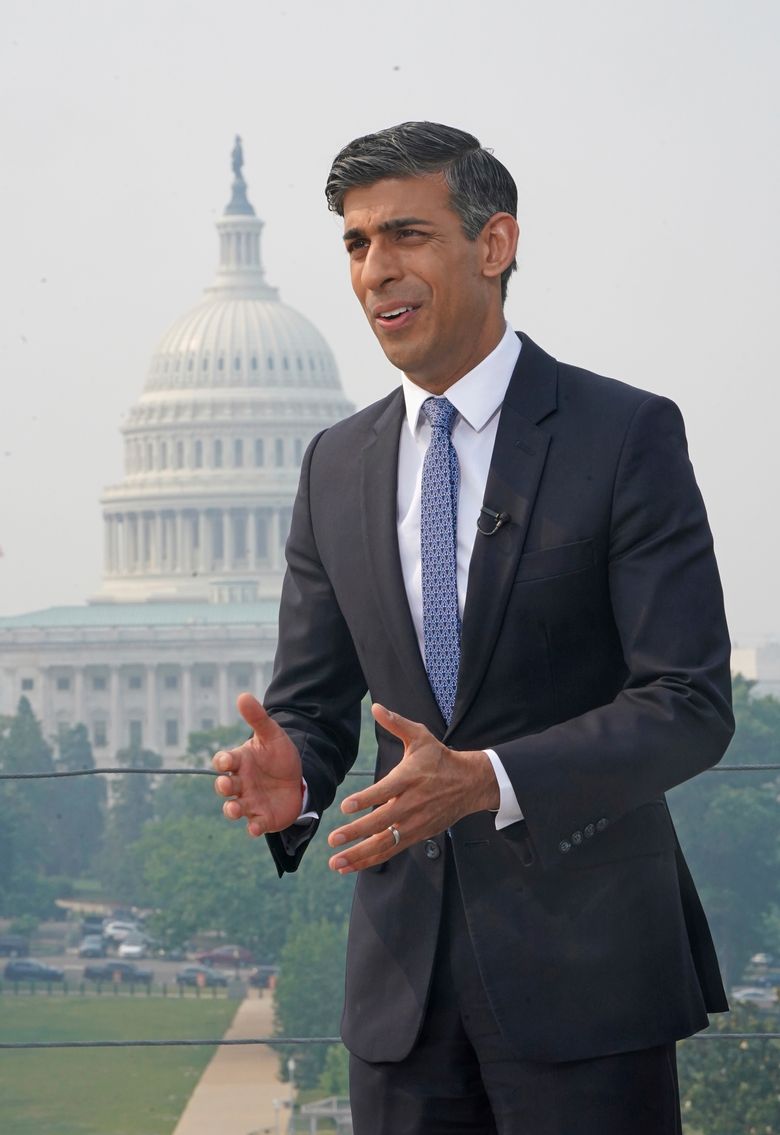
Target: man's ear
x,y
499,240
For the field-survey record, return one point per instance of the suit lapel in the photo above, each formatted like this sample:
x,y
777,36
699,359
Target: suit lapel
x,y
379,496
515,472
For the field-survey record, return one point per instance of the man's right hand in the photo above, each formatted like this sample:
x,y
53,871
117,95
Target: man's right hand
x,y
265,783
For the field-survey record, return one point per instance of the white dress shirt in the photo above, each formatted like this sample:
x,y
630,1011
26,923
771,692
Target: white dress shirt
x,y
478,398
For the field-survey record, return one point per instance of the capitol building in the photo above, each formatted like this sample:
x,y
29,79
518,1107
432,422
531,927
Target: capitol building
x,y
194,533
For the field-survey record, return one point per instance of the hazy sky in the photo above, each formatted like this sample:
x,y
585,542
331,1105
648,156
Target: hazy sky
x,y
643,138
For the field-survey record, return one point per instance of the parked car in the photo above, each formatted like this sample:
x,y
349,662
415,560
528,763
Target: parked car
x,y
760,996
226,956
14,946
133,946
261,977
92,946
116,930
27,969
200,975
92,924
118,973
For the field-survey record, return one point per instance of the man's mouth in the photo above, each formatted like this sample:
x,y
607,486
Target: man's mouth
x,y
395,316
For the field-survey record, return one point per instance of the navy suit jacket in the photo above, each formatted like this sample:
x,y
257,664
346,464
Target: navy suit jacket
x,y
595,660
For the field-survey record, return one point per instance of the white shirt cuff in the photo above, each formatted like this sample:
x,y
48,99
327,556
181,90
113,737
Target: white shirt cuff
x,y
305,815
509,811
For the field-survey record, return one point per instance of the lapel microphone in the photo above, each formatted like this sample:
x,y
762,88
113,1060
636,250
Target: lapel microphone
x,y
489,522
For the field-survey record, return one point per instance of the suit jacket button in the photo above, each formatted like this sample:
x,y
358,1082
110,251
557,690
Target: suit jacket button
x,y
564,846
588,831
432,849
576,837
601,824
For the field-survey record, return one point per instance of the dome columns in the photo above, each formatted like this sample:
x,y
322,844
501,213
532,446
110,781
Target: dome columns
x,y
186,542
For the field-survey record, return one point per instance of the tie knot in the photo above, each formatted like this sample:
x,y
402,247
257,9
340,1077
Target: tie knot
x,y
440,412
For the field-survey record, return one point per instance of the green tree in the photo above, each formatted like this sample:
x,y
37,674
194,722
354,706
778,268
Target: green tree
x,y
132,804
201,874
79,812
732,1087
310,993
729,825
28,863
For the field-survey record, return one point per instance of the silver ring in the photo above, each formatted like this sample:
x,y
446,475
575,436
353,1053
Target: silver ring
x,y
394,832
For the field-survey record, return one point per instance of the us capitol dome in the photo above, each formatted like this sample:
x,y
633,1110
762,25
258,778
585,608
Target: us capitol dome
x,y
194,532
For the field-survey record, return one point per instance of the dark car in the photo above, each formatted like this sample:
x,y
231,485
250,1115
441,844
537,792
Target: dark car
x,y
200,976
226,956
13,946
92,946
118,973
27,969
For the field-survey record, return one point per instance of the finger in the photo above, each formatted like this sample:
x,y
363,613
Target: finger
x,y
370,852
232,810
375,822
227,786
390,786
226,760
400,727
252,712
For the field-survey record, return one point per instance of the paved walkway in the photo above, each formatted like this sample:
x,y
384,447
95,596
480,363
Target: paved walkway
x,y
236,1093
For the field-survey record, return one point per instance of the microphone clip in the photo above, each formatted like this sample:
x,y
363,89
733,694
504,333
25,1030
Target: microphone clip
x,y
489,522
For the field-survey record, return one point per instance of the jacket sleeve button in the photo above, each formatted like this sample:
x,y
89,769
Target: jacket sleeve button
x,y
589,830
576,838
564,846
601,824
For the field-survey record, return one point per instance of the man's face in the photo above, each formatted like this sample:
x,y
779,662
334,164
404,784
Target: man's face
x,y
420,280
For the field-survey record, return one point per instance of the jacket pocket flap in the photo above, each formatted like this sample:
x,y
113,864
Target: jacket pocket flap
x,y
561,560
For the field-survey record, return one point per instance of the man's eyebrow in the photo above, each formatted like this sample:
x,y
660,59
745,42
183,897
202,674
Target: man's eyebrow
x,y
388,226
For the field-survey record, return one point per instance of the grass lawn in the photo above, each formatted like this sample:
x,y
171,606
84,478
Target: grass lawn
x,y
102,1091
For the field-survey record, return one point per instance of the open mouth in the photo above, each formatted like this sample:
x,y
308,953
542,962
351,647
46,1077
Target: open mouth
x,y
396,316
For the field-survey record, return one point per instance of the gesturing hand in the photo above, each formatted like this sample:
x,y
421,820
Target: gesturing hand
x,y
430,788
264,784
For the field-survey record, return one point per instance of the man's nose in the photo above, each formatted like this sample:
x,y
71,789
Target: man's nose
x,y
380,266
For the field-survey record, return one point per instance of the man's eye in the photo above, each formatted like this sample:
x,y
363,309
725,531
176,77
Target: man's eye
x,y
356,246
409,232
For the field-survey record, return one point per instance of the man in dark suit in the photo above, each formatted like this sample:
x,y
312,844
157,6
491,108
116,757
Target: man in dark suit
x,y
512,555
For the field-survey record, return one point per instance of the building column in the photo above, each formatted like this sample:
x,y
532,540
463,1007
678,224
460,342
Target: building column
x,y
107,551
252,539
186,703
181,563
78,696
224,713
204,552
275,540
114,724
227,540
158,540
150,740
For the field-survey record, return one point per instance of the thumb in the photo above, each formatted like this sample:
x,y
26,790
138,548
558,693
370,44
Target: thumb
x,y
401,727
252,712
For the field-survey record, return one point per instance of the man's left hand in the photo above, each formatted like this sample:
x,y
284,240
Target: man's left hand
x,y
429,790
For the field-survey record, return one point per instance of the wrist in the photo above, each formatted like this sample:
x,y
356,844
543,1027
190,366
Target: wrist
x,y
484,788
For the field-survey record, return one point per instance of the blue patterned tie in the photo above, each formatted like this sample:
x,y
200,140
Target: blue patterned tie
x,y
438,526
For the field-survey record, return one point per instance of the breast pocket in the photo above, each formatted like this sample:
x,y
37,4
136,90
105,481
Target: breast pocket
x,y
547,563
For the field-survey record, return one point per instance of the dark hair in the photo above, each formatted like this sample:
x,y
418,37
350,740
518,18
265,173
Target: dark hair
x,y
479,184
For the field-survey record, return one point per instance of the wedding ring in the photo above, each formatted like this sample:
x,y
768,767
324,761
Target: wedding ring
x,y
394,832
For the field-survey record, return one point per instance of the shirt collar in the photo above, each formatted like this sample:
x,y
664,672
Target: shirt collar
x,y
479,393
